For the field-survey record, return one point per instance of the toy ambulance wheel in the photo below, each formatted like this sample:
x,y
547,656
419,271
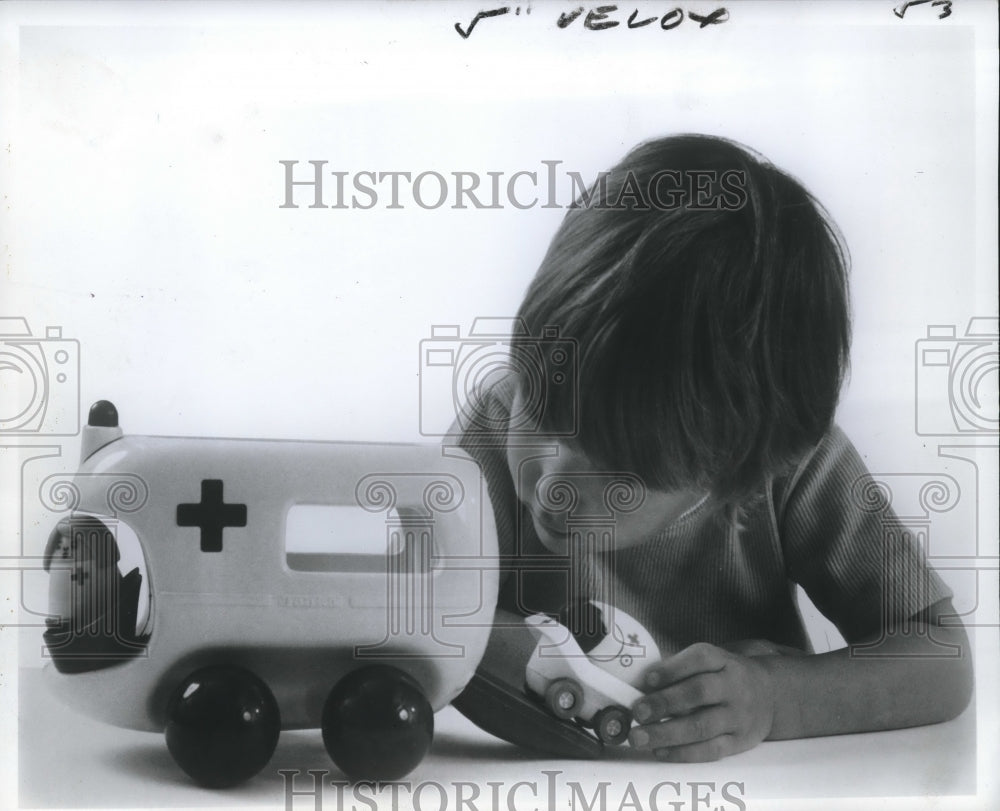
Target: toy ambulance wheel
x,y
612,725
564,697
377,724
222,726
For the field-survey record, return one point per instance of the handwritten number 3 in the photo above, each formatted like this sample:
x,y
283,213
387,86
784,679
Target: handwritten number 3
x,y
946,11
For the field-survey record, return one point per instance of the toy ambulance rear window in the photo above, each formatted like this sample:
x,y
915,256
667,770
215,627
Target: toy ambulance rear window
x,y
338,538
99,597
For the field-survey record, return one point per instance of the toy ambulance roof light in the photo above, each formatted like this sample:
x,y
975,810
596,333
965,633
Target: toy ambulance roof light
x,y
103,414
101,428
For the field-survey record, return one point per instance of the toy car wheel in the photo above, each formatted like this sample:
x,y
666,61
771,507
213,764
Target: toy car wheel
x,y
612,725
564,697
222,726
377,723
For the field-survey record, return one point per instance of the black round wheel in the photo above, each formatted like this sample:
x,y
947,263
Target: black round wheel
x,y
377,723
564,697
612,725
222,726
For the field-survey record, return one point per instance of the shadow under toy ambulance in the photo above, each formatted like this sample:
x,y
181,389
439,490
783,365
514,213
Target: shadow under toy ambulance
x,y
221,590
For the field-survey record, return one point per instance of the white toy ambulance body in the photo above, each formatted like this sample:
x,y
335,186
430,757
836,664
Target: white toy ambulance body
x,y
178,556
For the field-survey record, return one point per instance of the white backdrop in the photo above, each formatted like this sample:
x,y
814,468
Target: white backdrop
x,y
142,193
146,190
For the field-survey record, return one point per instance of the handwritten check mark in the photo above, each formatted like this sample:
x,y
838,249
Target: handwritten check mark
x,y
482,15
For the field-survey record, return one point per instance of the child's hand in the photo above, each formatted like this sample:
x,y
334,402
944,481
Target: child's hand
x,y
710,703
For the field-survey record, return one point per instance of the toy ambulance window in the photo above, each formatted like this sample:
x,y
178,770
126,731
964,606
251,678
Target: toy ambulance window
x,y
132,558
346,538
97,574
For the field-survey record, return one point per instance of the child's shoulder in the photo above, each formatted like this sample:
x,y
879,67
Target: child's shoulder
x,y
832,464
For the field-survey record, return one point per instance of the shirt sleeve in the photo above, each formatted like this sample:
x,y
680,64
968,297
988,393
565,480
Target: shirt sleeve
x,y
850,552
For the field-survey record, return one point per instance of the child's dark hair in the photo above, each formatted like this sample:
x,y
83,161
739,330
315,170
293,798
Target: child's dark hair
x,y
707,293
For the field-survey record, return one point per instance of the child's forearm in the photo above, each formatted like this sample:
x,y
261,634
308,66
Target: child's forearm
x,y
919,677
707,702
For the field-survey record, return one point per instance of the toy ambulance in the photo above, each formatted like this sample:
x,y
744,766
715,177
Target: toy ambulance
x,y
598,682
224,589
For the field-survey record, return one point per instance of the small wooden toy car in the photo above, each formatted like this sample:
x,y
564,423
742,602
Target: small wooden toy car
x,y
223,589
593,672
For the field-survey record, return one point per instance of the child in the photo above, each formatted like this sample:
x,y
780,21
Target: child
x,y
702,295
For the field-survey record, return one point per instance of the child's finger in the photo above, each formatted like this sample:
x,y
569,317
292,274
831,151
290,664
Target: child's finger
x,y
701,752
702,690
703,725
698,658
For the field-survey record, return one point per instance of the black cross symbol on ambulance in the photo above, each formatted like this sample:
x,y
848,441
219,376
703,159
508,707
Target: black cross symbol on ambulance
x,y
212,515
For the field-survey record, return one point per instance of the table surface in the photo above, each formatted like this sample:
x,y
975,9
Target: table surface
x,y
69,761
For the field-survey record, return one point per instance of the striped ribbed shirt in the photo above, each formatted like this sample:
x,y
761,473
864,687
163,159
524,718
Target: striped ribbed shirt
x,y
703,579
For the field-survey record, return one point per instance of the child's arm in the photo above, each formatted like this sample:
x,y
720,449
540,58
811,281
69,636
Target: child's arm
x,y
717,703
